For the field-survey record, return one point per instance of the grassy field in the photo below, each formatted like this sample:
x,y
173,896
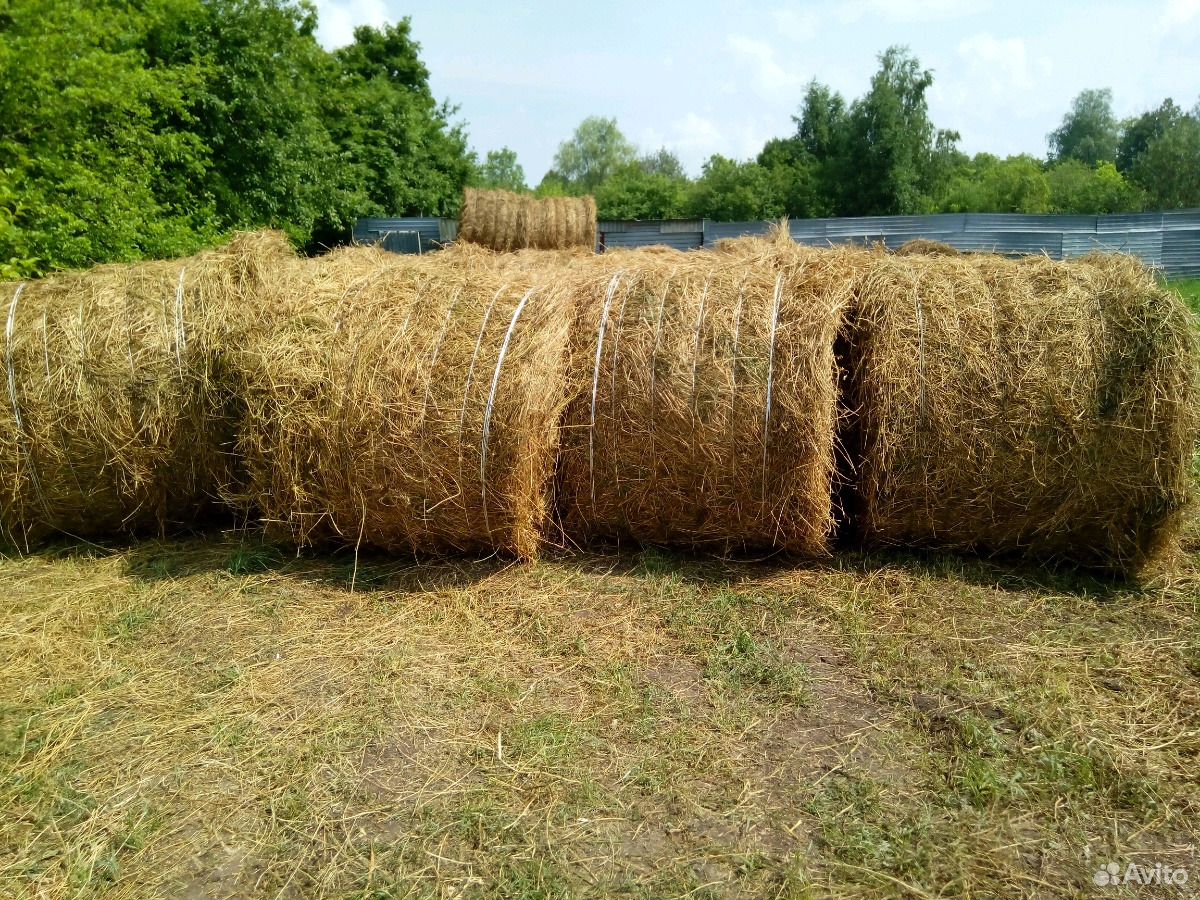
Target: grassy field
x,y
1189,289
207,717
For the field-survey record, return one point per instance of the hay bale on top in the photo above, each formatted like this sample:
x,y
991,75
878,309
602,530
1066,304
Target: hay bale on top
x,y
406,403
506,221
704,399
1027,405
116,420
926,247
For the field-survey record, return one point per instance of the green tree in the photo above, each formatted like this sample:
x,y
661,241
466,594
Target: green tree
x,y
794,177
1017,184
401,152
1088,132
663,162
890,161
1078,188
1169,168
595,151
551,185
1137,133
636,192
731,191
149,129
256,108
501,170
98,160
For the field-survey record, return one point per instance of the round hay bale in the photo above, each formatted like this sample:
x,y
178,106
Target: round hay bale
x,y
409,403
505,221
926,247
704,400
117,421
1032,406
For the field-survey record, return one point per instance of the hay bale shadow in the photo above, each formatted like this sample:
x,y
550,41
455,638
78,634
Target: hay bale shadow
x,y
1013,574
250,553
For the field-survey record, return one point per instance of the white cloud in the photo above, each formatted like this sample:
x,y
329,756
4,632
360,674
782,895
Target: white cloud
x,y
1178,26
909,11
798,25
1001,65
773,80
337,19
1179,12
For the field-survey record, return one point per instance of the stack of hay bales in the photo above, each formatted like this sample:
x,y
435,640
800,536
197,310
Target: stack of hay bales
x,y
505,221
407,403
1022,405
705,401
116,417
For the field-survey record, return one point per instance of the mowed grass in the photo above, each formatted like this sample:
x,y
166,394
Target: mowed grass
x,y
213,717
1189,289
209,717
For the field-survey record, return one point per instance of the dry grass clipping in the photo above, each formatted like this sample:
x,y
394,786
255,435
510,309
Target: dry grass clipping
x,y
1027,405
704,398
406,403
505,221
116,420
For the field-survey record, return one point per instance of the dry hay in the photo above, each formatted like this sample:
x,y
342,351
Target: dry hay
x,y
704,400
504,221
468,256
116,421
926,247
405,402
1030,405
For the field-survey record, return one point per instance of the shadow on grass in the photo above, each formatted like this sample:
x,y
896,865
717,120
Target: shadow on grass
x,y
246,553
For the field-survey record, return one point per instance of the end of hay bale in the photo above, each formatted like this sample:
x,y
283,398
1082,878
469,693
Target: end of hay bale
x,y
1029,406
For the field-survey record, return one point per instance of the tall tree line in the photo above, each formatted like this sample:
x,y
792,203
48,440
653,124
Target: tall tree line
x,y
153,128
880,154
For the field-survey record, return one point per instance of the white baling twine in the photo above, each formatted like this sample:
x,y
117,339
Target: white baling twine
x,y
737,334
612,391
437,347
699,331
12,396
487,414
921,355
612,289
662,308
8,358
180,332
770,377
462,417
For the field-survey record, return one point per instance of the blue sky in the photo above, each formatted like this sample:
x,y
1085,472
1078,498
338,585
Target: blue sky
x,y
703,78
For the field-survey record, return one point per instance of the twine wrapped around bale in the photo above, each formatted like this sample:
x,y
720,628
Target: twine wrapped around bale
x,y
406,403
1031,405
116,418
704,399
504,221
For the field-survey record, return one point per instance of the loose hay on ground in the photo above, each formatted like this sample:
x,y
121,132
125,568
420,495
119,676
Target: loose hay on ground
x,y
407,403
1030,405
503,221
704,399
117,420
